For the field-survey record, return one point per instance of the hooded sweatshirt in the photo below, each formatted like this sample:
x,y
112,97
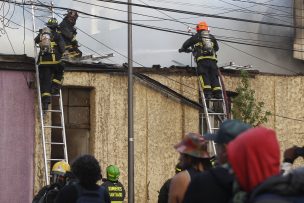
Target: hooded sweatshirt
x,y
254,156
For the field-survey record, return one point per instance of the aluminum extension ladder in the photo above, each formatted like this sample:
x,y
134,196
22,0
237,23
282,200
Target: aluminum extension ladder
x,y
45,143
215,110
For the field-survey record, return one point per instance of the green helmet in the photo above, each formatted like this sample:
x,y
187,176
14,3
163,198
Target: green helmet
x,y
113,173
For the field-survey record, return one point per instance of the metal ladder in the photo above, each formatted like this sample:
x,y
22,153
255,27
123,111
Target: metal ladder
x,y
47,157
213,118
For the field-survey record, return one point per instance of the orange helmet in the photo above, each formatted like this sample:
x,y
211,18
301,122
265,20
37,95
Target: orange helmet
x,y
202,26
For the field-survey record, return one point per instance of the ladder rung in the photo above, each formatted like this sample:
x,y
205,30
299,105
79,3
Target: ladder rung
x,y
55,159
54,111
55,95
214,128
50,126
214,99
216,113
57,143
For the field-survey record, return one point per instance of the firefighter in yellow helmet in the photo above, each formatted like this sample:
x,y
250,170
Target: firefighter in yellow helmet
x,y
113,186
52,47
204,47
59,176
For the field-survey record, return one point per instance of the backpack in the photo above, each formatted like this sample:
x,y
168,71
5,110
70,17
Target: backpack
x,y
90,196
281,189
207,44
45,40
49,196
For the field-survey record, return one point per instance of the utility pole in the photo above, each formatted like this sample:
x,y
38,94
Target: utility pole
x,y
130,109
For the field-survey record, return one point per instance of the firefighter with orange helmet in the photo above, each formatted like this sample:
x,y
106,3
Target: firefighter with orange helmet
x,y
204,47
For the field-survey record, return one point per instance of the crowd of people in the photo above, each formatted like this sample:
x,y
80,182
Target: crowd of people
x,y
247,168
79,183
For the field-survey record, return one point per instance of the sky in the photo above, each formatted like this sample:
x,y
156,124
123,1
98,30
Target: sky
x,y
99,36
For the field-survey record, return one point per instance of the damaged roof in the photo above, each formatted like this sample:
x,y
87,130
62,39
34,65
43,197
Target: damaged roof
x,y
26,63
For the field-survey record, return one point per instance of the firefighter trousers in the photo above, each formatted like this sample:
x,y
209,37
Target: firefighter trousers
x,y
207,68
49,75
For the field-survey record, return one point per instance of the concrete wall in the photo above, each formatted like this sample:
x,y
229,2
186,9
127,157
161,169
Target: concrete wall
x,y
160,121
17,121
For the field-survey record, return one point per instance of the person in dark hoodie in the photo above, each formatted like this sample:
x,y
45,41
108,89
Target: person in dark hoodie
x,y
254,157
215,185
87,170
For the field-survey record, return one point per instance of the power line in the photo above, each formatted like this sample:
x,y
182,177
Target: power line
x,y
173,31
266,15
288,69
185,23
248,54
204,15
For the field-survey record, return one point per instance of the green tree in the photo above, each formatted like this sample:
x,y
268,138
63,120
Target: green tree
x,y
245,107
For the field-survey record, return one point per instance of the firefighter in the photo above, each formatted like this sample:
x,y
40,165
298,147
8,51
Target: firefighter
x,y
59,176
204,47
49,60
114,187
68,32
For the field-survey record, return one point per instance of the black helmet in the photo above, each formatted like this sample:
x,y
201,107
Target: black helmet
x,y
52,23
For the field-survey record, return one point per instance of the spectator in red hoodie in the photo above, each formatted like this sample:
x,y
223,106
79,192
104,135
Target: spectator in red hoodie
x,y
254,157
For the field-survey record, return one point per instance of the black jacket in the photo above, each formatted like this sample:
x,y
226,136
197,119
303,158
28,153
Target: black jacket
x,y
68,33
212,186
69,193
116,190
196,39
277,189
58,47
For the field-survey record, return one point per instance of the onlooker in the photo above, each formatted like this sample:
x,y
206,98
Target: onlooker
x,y
59,178
87,170
194,158
215,185
290,155
164,190
115,189
254,157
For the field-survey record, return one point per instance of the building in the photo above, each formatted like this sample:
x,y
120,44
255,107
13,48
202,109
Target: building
x,y
95,103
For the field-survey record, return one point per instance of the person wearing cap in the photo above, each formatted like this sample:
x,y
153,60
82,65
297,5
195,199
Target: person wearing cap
x,y
164,190
194,158
215,185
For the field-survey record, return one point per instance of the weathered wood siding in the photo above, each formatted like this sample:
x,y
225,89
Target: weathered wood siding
x,y
160,121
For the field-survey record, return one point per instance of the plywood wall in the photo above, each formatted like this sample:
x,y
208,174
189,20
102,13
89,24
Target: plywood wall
x,y
160,121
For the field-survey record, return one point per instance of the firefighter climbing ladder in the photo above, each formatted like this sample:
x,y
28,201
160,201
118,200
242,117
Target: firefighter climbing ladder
x,y
215,111
48,143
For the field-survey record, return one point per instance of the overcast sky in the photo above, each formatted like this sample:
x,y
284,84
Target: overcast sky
x,y
158,47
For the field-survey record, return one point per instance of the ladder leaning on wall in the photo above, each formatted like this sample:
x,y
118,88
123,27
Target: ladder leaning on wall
x,y
48,143
215,110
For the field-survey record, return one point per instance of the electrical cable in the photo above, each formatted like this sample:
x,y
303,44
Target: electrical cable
x,y
23,27
266,15
288,69
175,20
202,14
179,32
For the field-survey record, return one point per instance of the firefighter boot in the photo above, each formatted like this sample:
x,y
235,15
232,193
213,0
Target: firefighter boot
x,y
217,94
208,94
45,101
55,88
